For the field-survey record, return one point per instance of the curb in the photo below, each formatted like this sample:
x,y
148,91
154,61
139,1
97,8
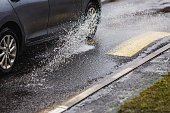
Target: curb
x,y
88,92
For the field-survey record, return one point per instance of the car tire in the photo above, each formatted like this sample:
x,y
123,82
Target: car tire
x,y
9,48
93,10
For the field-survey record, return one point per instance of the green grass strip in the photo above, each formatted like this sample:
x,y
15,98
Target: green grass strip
x,y
155,99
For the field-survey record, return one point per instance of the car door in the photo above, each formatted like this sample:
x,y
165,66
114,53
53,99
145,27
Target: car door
x,y
33,15
61,13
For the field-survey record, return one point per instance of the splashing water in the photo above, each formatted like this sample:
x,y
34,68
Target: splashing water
x,y
75,41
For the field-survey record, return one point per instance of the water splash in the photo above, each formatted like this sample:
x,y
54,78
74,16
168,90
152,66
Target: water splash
x,y
74,42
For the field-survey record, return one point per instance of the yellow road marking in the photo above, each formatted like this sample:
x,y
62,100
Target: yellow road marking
x,y
135,44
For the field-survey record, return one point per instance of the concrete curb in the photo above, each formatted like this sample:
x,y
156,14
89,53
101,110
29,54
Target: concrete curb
x,y
83,95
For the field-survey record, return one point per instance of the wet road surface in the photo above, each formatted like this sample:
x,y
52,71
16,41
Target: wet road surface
x,y
46,75
109,99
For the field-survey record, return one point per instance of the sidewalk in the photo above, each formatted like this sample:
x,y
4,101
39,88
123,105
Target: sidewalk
x,y
110,98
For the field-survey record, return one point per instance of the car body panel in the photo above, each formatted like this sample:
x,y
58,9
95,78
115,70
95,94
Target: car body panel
x,y
7,14
33,15
61,13
37,19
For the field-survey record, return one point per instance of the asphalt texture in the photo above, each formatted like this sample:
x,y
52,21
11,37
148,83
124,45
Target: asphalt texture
x,y
109,99
44,75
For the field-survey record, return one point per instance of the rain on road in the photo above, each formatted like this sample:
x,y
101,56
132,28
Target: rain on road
x,y
46,75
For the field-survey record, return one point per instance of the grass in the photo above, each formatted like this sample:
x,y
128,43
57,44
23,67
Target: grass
x,y
155,99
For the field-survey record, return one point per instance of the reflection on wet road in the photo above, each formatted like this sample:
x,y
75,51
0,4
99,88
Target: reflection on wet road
x,y
50,73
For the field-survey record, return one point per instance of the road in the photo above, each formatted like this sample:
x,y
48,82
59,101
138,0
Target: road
x,y
48,74
111,97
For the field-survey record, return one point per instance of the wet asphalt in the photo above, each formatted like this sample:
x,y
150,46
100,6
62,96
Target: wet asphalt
x,y
109,99
42,77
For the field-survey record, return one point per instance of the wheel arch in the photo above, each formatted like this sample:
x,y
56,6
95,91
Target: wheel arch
x,y
17,29
97,2
86,2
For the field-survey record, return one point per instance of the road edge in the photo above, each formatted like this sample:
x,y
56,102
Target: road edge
x,y
103,83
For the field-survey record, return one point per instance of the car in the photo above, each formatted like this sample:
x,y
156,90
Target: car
x,y
28,22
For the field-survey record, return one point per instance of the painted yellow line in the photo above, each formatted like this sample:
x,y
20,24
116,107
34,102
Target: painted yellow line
x,y
136,44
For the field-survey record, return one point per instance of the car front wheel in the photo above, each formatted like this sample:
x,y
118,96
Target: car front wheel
x,y
8,50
